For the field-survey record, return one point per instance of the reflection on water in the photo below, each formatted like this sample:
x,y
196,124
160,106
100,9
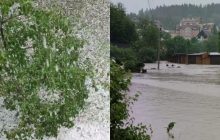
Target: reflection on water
x,y
189,96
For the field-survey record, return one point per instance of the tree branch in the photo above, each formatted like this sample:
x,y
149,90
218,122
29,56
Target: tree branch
x,y
28,48
2,22
11,17
2,33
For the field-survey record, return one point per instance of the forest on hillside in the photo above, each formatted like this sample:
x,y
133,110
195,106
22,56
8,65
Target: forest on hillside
x,y
170,16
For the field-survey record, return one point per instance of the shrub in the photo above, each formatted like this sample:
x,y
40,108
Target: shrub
x,y
40,77
126,57
120,129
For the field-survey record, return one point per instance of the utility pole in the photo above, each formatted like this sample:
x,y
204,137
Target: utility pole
x,y
158,50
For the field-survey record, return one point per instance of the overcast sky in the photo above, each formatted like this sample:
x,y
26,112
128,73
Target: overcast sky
x,y
136,5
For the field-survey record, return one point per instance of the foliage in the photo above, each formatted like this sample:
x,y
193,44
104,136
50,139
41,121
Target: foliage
x,y
123,31
219,42
147,54
126,57
144,46
122,28
149,33
119,102
147,45
175,45
39,75
211,45
180,45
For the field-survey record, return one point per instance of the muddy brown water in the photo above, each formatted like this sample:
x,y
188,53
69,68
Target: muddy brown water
x,y
189,96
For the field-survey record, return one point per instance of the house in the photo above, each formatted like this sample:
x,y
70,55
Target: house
x,y
188,31
189,28
159,25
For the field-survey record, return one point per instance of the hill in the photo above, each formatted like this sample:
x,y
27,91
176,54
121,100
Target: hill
x,y
171,15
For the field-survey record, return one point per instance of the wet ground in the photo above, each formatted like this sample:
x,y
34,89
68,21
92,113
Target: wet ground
x,y
189,96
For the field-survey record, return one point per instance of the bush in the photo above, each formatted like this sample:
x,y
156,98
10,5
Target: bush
x,y
120,129
147,55
126,57
40,77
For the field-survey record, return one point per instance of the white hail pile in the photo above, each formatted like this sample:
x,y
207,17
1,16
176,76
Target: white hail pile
x,y
93,122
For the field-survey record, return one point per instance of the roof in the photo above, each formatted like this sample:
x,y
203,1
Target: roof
x,y
203,33
179,54
211,53
198,53
214,53
201,53
193,27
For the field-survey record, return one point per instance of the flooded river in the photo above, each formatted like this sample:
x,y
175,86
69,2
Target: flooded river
x,y
189,96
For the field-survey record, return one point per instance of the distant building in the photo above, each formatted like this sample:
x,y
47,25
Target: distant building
x,y
159,25
197,58
214,58
180,58
189,28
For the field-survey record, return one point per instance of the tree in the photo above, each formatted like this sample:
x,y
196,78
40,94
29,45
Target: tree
x,y
40,77
219,42
122,28
147,45
126,57
211,45
120,130
176,45
123,31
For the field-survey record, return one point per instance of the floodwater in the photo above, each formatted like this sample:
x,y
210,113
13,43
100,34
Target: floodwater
x,y
189,96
